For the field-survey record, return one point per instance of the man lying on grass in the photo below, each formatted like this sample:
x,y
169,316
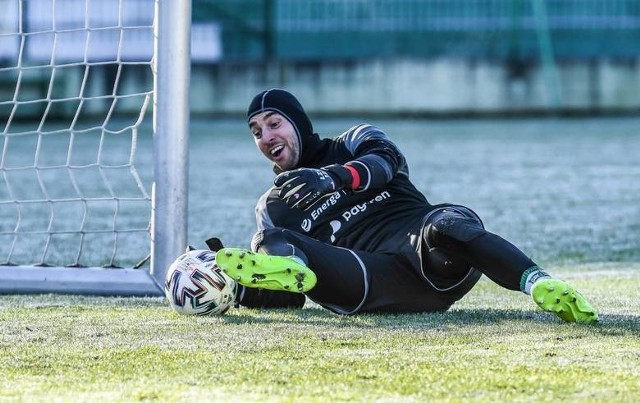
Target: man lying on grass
x,y
345,226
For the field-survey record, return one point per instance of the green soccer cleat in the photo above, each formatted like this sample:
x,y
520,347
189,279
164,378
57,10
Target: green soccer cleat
x,y
560,298
255,270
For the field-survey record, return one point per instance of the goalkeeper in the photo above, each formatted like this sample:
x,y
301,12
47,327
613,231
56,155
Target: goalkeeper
x,y
344,225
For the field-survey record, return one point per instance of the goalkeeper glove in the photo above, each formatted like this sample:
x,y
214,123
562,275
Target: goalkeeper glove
x,y
302,187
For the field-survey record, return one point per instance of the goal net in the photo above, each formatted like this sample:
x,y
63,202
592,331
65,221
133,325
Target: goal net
x,y
77,160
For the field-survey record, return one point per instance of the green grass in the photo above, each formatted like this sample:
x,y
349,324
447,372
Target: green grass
x,y
494,345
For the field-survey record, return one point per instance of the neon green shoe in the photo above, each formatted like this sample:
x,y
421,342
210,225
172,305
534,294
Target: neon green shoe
x,y
560,298
255,270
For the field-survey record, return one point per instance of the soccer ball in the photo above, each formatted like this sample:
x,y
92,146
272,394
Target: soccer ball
x,y
195,285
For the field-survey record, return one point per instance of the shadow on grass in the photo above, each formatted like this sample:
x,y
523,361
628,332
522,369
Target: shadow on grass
x,y
608,324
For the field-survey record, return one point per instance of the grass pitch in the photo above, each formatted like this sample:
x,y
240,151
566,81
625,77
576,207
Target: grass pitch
x,y
565,191
494,345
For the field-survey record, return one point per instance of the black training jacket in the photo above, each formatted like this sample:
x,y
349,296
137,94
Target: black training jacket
x,y
376,217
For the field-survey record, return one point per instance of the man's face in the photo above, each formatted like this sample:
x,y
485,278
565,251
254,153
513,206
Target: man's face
x,y
276,138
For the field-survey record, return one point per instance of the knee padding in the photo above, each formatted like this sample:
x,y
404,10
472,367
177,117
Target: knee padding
x,y
455,224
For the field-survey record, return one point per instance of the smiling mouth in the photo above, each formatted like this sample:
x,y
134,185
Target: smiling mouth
x,y
275,151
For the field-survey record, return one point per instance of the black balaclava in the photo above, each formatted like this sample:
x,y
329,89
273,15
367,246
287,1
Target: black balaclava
x,y
284,103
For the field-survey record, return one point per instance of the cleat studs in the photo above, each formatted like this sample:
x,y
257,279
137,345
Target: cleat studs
x,y
228,253
540,301
550,289
566,292
286,287
239,267
241,255
253,262
238,278
288,270
574,299
254,280
557,300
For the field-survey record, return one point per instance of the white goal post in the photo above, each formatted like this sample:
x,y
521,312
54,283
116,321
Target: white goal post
x,y
94,122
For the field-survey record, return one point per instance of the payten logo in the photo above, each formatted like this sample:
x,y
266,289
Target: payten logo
x,y
335,226
359,208
355,210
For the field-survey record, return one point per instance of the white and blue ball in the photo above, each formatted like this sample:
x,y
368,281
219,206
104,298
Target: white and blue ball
x,y
195,285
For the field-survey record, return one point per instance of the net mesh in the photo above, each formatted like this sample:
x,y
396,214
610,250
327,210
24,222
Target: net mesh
x,y
76,88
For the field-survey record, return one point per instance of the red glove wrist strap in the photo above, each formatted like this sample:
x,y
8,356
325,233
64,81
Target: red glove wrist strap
x,y
355,177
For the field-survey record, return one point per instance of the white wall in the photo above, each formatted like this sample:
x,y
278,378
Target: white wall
x,y
75,31
422,86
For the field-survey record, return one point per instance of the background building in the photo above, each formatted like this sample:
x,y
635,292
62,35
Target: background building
x,y
412,57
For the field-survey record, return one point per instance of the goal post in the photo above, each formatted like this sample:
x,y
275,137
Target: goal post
x,y
94,121
171,130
